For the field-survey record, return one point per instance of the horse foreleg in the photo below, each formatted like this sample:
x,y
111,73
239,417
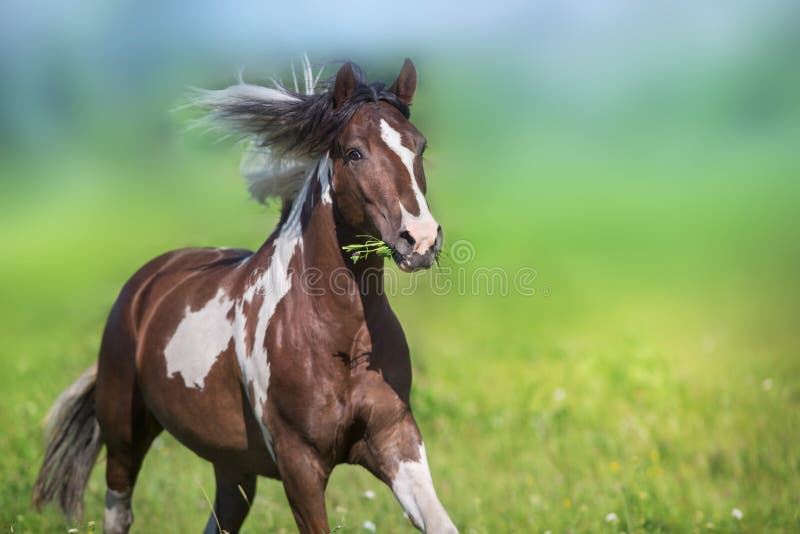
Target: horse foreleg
x,y
394,453
235,493
304,478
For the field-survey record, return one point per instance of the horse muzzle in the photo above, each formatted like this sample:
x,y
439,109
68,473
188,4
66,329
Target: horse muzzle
x,y
410,258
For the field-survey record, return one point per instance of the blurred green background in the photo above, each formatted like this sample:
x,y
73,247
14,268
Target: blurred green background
x,y
642,159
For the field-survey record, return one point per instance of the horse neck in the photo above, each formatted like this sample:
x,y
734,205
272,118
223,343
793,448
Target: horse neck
x,y
309,241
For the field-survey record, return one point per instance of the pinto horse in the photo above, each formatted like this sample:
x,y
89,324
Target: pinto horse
x,y
282,362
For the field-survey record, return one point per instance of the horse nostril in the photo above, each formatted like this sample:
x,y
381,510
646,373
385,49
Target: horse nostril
x,y
405,235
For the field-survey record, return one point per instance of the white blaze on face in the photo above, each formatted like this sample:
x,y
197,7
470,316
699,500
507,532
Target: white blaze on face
x,y
413,487
422,227
199,339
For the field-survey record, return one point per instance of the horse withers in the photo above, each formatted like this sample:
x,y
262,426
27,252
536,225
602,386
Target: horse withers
x,y
282,362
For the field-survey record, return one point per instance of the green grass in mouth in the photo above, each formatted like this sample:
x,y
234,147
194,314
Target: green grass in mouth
x,y
372,245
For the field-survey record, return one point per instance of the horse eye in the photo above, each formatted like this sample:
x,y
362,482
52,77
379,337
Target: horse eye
x,y
352,155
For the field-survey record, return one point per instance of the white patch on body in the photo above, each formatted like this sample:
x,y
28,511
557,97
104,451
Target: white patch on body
x,y
413,487
203,335
200,338
269,173
422,227
273,284
118,516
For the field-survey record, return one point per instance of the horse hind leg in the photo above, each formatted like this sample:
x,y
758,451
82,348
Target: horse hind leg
x,y
235,493
126,449
127,426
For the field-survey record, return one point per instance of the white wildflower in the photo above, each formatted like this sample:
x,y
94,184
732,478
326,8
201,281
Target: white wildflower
x,y
369,525
369,494
737,514
611,517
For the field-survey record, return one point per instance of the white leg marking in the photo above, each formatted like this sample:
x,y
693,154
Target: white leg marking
x,y
423,227
199,339
118,516
413,487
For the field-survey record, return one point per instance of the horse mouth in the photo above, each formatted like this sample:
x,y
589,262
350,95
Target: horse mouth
x,y
404,265
410,263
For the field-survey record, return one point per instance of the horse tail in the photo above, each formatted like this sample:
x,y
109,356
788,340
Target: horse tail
x,y
73,441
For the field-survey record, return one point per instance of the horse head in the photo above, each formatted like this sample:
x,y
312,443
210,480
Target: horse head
x,y
378,176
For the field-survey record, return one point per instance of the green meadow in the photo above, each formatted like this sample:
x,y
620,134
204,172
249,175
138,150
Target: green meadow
x,y
642,374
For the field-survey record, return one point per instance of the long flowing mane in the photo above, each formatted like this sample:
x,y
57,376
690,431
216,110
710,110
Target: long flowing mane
x,y
288,132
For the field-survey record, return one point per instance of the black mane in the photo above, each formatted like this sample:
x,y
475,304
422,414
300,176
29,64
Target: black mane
x,y
300,125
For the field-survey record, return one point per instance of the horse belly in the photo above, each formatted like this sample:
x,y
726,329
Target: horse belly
x,y
212,416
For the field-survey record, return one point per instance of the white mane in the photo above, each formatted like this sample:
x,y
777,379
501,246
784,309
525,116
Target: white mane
x,y
268,172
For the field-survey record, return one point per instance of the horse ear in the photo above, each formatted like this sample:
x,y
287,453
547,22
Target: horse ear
x,y
406,83
344,85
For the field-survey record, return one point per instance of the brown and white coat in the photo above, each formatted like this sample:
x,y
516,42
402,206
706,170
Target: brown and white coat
x,y
282,362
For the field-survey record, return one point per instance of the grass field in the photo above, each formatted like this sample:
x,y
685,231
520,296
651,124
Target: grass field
x,y
654,374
